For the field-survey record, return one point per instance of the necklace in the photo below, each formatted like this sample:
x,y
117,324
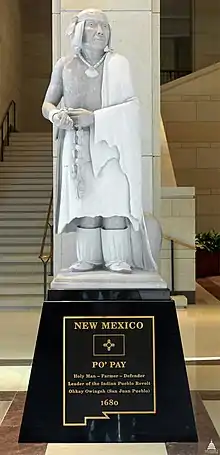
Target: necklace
x,y
91,71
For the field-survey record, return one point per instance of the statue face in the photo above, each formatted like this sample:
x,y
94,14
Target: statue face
x,y
97,32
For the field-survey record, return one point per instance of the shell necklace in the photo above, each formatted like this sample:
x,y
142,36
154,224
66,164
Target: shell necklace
x,y
91,70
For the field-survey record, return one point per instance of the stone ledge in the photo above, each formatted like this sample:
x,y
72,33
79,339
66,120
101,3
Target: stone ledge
x,y
103,279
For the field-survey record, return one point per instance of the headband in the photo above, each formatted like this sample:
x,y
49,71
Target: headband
x,y
76,29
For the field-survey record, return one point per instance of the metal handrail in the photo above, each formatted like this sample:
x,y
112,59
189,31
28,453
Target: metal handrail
x,y
5,134
179,242
47,258
171,75
174,241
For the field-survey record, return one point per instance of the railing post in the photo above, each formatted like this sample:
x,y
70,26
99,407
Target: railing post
x,y
2,141
14,117
46,258
172,266
51,248
8,128
45,280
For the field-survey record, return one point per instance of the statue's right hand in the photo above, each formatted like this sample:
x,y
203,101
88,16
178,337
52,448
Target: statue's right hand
x,y
62,120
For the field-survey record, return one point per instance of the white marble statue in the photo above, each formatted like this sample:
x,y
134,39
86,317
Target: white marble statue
x,y
99,172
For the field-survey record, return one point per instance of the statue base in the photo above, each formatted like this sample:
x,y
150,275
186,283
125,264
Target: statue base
x,y
72,397
103,279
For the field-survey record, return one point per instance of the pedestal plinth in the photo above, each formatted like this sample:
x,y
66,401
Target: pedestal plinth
x,y
108,367
103,285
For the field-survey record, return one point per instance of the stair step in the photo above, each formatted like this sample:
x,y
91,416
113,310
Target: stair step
x,y
27,153
30,231
22,223
8,201
24,173
23,249
4,241
21,301
24,170
19,216
20,258
31,133
24,195
25,180
43,208
22,187
30,140
21,289
25,278
26,167
34,147
26,267
23,161
30,137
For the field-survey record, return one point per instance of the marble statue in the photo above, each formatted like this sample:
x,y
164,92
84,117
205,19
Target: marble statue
x,y
99,172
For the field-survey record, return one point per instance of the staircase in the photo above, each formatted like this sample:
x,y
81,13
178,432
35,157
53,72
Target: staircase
x,y
25,189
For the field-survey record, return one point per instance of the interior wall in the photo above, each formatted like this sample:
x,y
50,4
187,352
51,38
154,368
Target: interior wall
x,y
36,28
178,221
10,54
191,116
167,171
206,33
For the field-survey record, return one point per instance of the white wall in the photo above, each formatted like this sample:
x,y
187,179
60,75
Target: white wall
x,y
135,34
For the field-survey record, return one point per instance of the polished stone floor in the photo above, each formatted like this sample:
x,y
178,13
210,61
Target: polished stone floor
x,y
200,331
206,410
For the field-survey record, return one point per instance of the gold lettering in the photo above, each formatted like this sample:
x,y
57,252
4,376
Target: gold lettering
x,y
85,325
114,325
120,326
117,364
77,325
140,325
100,364
132,325
105,325
93,325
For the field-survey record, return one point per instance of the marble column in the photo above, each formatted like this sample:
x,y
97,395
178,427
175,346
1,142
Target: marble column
x,y
135,34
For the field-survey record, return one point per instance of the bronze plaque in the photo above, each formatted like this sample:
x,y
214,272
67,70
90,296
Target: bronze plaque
x,y
108,367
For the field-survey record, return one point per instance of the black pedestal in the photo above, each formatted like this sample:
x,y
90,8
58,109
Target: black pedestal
x,y
173,420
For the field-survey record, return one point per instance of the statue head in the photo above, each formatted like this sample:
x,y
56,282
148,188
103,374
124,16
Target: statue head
x,y
91,29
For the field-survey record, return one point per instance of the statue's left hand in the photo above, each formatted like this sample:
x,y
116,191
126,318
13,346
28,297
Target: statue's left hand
x,y
82,118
